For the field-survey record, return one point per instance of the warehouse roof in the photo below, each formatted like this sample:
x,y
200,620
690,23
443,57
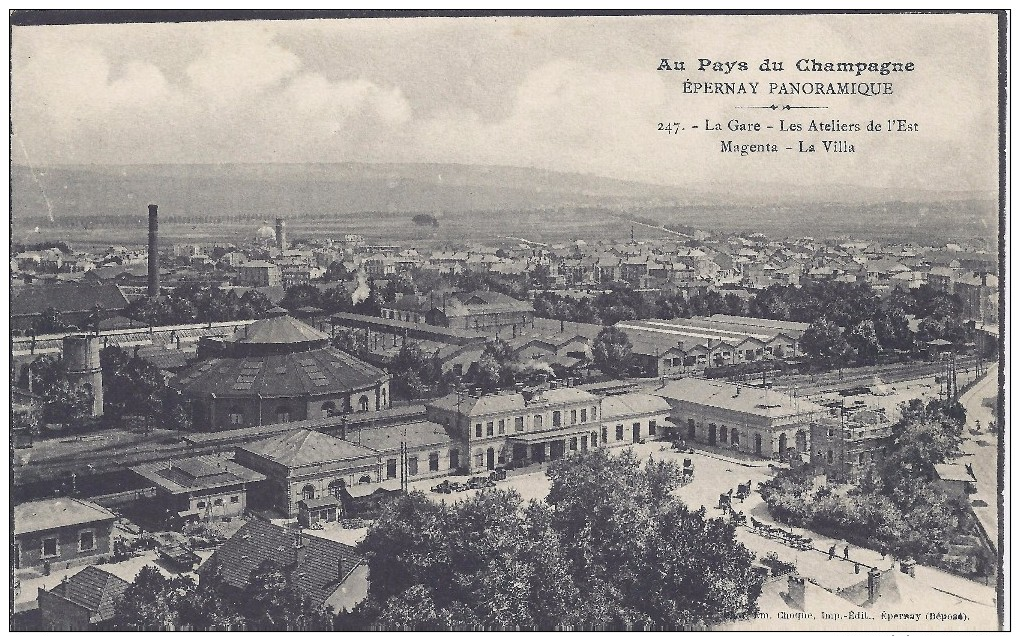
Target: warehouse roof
x,y
320,371
278,328
66,298
305,448
739,398
196,473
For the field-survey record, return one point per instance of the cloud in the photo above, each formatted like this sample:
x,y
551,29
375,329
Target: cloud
x,y
573,95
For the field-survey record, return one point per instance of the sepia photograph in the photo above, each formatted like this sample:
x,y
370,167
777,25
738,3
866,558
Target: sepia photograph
x,y
508,321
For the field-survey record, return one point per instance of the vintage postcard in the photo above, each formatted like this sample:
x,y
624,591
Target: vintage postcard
x,y
487,321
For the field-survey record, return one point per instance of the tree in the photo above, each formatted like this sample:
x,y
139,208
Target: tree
x,y
337,271
735,305
64,402
350,341
148,603
303,295
337,299
254,304
486,374
864,340
416,373
893,330
824,340
135,386
923,437
654,563
611,548
611,352
50,321
497,367
271,603
489,562
207,606
425,219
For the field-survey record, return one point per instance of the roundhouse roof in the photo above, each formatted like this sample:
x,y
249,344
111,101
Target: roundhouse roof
x,y
322,371
278,329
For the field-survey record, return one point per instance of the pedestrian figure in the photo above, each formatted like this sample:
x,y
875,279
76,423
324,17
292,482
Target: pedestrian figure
x,y
832,551
883,553
846,552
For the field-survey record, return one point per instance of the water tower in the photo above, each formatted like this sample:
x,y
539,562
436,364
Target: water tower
x,y
81,355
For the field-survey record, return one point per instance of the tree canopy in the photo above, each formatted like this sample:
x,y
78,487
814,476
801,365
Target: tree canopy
x,y
896,506
153,602
611,352
610,548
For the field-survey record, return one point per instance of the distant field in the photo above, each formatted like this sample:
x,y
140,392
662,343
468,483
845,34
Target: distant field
x,y
100,205
545,226
542,226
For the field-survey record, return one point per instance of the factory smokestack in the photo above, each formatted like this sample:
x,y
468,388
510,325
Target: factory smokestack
x,y
281,234
153,252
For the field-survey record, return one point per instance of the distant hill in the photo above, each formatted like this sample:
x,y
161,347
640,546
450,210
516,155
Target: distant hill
x,y
447,191
298,189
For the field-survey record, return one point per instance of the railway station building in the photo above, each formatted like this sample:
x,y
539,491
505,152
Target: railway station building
x,y
759,422
517,428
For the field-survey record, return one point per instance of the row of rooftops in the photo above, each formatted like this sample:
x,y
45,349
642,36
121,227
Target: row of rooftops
x,y
302,443
656,337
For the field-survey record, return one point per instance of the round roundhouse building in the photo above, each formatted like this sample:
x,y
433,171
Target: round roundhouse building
x,y
277,370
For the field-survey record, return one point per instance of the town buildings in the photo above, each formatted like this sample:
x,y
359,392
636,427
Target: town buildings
x,y
479,310
305,464
632,418
259,274
200,488
83,602
845,447
60,531
330,574
748,419
77,303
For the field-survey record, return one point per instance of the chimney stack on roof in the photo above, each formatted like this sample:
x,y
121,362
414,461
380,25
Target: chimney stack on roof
x,y
153,252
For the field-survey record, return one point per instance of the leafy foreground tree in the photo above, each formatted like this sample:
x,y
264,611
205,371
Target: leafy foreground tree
x,y
610,548
268,603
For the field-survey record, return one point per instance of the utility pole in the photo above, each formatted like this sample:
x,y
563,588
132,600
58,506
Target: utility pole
x,y
403,466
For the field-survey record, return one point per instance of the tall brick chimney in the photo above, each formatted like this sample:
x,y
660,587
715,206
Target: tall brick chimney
x,y
153,252
281,234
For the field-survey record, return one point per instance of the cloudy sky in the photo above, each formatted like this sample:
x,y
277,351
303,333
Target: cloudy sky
x,y
570,94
